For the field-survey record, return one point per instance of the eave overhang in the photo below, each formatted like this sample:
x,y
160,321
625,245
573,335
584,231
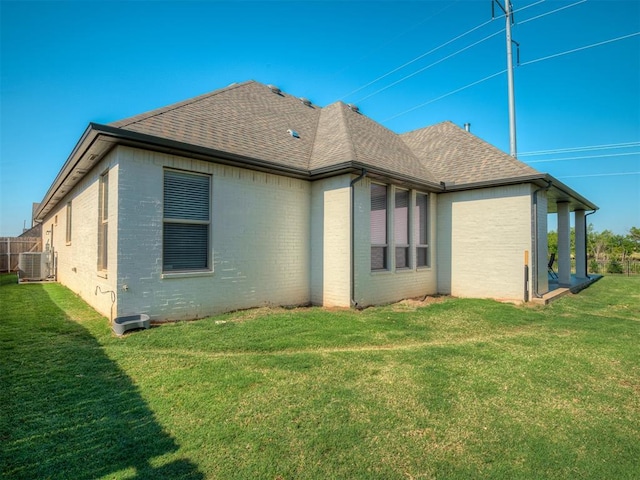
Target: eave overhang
x,y
98,140
557,192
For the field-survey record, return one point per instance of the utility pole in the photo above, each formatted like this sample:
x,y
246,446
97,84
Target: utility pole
x,y
508,13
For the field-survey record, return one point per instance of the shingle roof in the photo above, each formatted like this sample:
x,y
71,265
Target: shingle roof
x,y
245,119
345,135
248,123
455,156
251,120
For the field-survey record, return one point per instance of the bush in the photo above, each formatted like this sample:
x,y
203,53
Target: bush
x,y
615,267
594,267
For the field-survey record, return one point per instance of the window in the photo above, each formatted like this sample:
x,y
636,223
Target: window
x,y
401,228
186,221
68,239
103,220
378,227
421,217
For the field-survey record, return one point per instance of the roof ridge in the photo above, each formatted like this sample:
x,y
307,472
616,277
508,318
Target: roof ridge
x,y
513,160
428,127
174,106
315,135
342,106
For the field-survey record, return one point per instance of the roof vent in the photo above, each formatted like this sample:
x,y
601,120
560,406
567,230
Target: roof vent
x,y
274,89
293,133
353,108
305,101
467,127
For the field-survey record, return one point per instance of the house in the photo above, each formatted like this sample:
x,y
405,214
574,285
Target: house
x,y
249,196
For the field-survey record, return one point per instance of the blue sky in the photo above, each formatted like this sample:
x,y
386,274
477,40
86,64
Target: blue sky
x,y
65,64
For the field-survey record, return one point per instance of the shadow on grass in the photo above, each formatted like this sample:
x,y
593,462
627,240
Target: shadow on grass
x,y
67,410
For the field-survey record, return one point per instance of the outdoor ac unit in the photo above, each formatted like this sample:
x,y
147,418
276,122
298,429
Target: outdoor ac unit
x,y
34,266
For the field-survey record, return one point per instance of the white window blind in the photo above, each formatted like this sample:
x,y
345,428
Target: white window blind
x,y
186,221
378,227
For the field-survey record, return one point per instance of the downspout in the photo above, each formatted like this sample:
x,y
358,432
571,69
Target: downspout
x,y
353,240
586,244
534,257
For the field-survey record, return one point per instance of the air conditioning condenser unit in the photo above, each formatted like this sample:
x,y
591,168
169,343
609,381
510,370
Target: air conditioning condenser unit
x,y
34,266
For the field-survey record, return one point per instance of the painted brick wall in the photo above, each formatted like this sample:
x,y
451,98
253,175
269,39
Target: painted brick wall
x,y
331,242
260,238
374,288
77,261
482,237
543,243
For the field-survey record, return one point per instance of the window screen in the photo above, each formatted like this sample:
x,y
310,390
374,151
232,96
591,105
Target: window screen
x,y
378,227
68,229
401,228
103,221
186,221
422,230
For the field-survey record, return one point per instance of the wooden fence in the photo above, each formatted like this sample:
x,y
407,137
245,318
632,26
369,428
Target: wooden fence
x,y
12,247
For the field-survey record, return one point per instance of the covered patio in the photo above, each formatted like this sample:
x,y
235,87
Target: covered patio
x,y
556,291
556,197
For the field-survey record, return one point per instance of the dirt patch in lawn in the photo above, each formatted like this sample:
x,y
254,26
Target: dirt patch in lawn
x,y
411,304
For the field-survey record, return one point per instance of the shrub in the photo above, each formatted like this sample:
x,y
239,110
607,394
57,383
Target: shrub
x,y
615,267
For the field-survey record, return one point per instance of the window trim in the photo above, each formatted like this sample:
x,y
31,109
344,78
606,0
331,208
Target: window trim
x,y
405,246
182,273
385,246
427,231
103,222
69,223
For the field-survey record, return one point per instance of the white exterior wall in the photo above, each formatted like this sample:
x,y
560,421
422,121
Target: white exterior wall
x,y
77,261
375,288
482,237
260,236
331,242
542,243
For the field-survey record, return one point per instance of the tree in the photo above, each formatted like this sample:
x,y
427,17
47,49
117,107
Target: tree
x,y
604,247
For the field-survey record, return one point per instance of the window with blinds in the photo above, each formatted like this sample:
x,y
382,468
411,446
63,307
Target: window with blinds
x,y
68,229
378,227
186,222
401,228
422,230
103,221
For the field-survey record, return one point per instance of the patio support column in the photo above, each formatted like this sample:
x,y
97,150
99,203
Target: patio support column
x,y
581,250
564,245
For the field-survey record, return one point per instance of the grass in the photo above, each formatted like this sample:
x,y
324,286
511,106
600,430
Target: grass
x,y
454,389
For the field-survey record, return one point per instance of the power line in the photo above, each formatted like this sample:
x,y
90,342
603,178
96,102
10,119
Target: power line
x,y
531,5
416,59
549,13
503,71
580,149
431,65
579,49
493,75
601,175
446,95
584,157
401,34
447,57
467,86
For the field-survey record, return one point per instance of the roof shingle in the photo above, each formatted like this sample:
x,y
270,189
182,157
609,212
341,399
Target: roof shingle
x,y
455,156
250,120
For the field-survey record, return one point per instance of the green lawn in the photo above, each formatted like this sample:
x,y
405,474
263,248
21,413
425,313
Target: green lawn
x,y
453,389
